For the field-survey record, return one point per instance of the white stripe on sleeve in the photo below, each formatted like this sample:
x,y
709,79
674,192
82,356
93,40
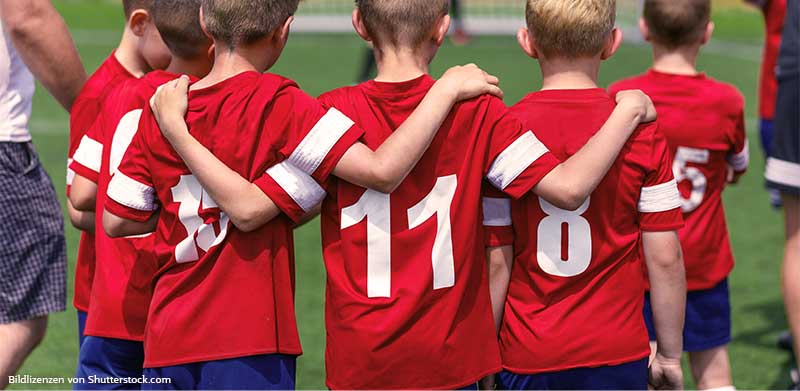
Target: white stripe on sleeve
x,y
131,193
303,189
496,212
316,145
517,157
70,173
660,198
783,172
89,154
739,161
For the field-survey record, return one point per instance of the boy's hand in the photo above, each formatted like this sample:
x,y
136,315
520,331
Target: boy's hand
x,y
469,81
639,102
732,176
169,105
665,374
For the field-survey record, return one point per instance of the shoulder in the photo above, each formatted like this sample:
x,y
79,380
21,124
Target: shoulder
x,y
631,83
726,94
338,96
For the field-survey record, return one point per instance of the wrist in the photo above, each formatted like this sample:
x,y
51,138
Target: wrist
x,y
668,356
444,90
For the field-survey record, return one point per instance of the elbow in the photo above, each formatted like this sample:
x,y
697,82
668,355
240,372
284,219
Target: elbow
x,y
245,224
669,261
113,226
570,199
384,182
22,22
82,202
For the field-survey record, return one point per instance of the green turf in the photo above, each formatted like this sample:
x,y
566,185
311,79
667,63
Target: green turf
x,y
755,229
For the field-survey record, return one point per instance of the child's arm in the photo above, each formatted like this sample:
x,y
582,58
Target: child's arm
x,y
83,221
387,167
662,252
249,207
83,194
500,260
570,183
118,227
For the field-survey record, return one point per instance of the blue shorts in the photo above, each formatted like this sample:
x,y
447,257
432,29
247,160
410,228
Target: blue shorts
x,y
708,318
630,376
81,327
264,372
102,359
766,129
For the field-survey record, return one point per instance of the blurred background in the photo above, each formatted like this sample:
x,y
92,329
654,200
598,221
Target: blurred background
x,y
323,53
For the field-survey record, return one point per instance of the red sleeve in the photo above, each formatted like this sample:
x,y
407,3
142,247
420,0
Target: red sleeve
x,y
294,192
315,138
739,155
88,157
497,224
660,200
517,159
131,193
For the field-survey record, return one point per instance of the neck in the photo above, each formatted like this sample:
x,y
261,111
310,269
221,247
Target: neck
x,y
569,74
231,62
680,61
396,65
128,55
197,67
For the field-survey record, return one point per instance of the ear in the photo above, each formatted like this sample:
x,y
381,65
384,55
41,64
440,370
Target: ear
x,y
526,42
708,33
210,53
282,34
644,30
440,29
613,43
203,25
358,24
138,21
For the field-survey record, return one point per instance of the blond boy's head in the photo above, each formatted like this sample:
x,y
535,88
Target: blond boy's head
x,y
406,23
676,23
178,22
235,22
570,29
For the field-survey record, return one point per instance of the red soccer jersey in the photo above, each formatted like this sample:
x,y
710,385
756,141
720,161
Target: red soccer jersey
x,y
407,300
124,273
86,108
703,121
222,293
575,296
774,14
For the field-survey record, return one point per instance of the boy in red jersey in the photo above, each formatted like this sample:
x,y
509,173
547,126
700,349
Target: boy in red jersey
x,y
703,121
407,303
132,59
222,313
572,316
125,267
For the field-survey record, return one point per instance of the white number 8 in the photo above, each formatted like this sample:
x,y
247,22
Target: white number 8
x,y
549,243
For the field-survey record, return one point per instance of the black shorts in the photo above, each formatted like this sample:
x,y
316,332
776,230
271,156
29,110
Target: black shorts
x,y
33,258
783,167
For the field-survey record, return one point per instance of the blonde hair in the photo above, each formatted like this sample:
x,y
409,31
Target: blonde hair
x,y
236,22
570,28
675,23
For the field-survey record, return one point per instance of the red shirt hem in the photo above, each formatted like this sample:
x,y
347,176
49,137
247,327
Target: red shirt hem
x,y
216,357
445,387
594,364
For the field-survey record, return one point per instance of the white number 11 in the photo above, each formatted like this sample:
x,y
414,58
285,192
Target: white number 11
x,y
376,208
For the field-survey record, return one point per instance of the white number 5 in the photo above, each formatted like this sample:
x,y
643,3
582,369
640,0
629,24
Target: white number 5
x,y
191,196
692,174
376,208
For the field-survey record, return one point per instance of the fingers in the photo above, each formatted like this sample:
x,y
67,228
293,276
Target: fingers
x,y
494,90
492,79
182,83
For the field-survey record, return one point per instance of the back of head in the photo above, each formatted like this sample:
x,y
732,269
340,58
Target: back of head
x,y
404,23
675,23
234,22
571,28
178,22
131,5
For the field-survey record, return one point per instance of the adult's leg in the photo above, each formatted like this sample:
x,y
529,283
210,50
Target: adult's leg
x,y
711,368
18,340
791,264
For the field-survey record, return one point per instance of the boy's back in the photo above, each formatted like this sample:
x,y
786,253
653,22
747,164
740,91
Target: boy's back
x,y
703,121
85,111
406,300
242,282
575,296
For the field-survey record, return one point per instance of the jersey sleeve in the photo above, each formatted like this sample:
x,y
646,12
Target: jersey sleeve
x,y
517,159
131,193
88,157
660,201
293,191
739,155
497,223
316,138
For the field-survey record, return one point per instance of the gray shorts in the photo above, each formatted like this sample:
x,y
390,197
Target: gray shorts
x,y
783,167
33,258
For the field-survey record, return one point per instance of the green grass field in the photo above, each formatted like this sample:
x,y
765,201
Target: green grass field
x,y
756,230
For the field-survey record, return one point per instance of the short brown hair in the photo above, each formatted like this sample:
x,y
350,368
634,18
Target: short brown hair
x,y
571,28
401,23
131,5
676,23
178,22
243,21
